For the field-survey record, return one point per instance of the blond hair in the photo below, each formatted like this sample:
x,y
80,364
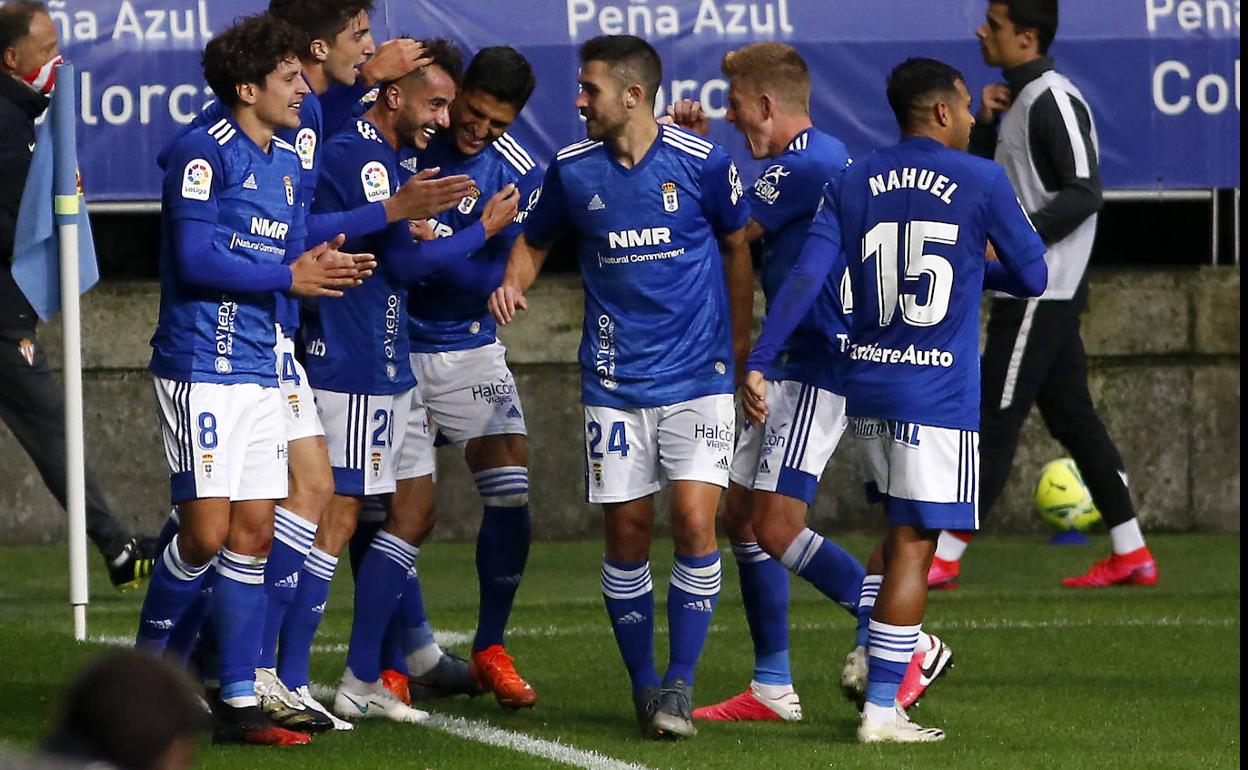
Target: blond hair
x,y
773,68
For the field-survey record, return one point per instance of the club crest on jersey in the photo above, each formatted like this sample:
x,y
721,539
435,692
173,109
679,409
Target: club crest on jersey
x,y
197,180
290,191
670,201
305,147
469,201
376,181
734,183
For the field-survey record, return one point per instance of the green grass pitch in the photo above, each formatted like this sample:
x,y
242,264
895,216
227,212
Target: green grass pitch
x,y
1043,678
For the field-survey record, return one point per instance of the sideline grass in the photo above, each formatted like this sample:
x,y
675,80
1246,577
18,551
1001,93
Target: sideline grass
x,y
1044,677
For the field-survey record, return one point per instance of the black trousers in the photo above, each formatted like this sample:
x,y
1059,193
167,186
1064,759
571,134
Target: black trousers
x,y
32,405
1034,355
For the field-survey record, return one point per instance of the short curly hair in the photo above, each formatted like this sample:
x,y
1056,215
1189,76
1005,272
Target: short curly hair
x,y
247,52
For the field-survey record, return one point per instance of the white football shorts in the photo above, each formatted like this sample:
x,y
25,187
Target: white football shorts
x,y
928,477
417,457
223,440
470,393
364,435
789,453
302,418
631,453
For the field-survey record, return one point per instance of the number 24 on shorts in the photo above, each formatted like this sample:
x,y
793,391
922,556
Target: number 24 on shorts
x,y
617,439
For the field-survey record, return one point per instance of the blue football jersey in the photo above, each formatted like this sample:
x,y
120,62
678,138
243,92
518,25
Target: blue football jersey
x,y
357,343
783,200
913,221
216,175
443,313
657,328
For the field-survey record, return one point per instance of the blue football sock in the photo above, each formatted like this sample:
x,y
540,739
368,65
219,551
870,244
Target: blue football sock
x,y
238,619
765,595
173,587
629,594
304,617
888,657
187,633
378,588
827,566
420,651
292,539
691,598
502,548
866,603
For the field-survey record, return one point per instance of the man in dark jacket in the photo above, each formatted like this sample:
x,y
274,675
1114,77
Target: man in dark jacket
x,y
30,400
1039,127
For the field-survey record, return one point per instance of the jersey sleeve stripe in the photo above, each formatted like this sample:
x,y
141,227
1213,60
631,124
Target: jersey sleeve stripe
x,y
689,137
1083,166
674,142
579,148
509,153
519,150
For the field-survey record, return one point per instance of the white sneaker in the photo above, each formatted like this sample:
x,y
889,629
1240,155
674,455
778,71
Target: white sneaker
x,y
355,699
899,730
305,697
854,676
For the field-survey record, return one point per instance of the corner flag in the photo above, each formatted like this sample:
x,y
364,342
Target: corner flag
x,y
52,196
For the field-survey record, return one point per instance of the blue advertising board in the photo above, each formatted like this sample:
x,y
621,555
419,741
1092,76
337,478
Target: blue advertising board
x,y
1162,76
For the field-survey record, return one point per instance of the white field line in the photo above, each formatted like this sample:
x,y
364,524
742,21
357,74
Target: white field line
x,y
483,732
449,638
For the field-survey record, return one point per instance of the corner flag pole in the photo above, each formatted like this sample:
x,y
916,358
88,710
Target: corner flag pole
x,y
67,207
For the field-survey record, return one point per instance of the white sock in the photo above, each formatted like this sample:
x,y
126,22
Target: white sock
x,y
241,701
771,691
1126,537
925,642
878,715
950,548
424,659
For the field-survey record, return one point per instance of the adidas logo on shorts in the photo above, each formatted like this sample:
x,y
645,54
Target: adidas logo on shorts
x,y
631,619
513,413
701,605
722,464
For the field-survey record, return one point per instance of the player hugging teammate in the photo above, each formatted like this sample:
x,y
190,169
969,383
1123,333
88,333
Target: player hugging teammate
x,y
403,344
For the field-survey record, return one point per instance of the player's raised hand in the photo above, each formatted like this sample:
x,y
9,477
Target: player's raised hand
x,y
424,196
504,303
754,397
500,210
323,270
994,100
688,114
394,59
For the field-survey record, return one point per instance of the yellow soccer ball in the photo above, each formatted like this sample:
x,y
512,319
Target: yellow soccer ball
x,y
1063,500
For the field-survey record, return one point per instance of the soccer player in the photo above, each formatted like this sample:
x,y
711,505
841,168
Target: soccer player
x,y
1038,125
465,387
917,218
658,218
776,466
232,217
338,41
359,367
